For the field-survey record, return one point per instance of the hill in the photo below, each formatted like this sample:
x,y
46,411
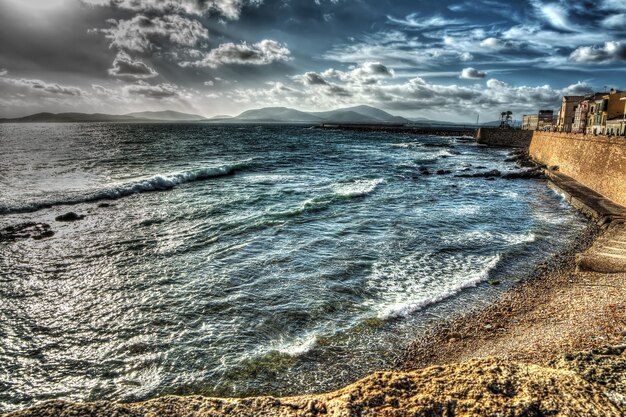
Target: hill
x,y
167,115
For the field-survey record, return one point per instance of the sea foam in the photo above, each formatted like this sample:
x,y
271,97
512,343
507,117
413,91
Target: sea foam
x,y
159,182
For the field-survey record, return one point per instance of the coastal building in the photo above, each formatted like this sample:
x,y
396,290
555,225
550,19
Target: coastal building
x,y
604,108
545,120
580,116
530,121
569,105
615,126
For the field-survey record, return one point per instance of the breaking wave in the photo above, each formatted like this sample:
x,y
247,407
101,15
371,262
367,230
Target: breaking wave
x,y
402,297
159,182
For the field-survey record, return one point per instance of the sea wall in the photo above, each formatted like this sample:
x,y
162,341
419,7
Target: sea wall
x,y
504,137
597,162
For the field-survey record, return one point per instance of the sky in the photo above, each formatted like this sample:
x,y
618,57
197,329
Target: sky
x,y
444,60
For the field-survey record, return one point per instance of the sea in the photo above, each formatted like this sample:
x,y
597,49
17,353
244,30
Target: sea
x,y
236,260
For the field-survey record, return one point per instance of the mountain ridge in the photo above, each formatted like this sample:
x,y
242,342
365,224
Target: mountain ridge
x,y
362,114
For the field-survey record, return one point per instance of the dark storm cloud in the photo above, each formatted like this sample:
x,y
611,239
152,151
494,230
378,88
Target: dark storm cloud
x,y
125,66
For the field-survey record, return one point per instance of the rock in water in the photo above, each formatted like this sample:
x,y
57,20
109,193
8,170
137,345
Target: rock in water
x,y
69,217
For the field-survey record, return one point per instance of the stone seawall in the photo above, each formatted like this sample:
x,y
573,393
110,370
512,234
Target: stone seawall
x,y
597,162
504,137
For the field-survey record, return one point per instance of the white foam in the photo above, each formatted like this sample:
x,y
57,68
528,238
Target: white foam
x,y
357,188
415,282
157,182
291,346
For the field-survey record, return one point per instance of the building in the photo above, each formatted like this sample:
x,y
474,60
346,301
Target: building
x,y
604,108
580,116
545,120
615,126
569,105
530,121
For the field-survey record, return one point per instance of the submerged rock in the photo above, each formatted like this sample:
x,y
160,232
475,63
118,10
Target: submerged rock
x,y
26,230
69,217
489,174
528,174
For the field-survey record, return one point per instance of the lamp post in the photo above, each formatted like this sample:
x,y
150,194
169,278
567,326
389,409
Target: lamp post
x,y
624,118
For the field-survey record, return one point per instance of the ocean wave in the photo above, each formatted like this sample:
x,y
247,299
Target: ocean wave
x,y
413,284
159,182
338,192
357,188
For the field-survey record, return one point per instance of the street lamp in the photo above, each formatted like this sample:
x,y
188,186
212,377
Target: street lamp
x,y
624,118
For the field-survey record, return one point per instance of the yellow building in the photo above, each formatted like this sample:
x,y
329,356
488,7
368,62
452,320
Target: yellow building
x,y
609,107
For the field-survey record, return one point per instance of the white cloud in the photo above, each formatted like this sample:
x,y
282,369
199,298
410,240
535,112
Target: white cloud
x,y
615,21
315,91
366,73
260,53
472,74
142,33
579,89
158,91
39,87
125,66
610,51
231,9
415,21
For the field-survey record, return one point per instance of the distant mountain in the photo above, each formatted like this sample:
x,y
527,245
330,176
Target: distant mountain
x,y
369,112
167,116
276,115
70,117
148,116
358,114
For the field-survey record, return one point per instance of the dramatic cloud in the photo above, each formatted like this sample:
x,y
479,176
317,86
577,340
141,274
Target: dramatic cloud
x,y
231,9
416,94
555,14
159,91
142,33
578,89
366,73
472,74
311,78
260,53
124,66
39,86
414,20
611,51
